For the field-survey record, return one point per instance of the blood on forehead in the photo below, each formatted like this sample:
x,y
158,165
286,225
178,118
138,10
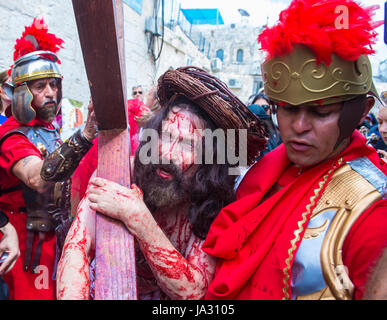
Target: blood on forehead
x,y
181,132
181,122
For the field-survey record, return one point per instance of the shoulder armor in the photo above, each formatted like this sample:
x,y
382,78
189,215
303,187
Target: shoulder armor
x,y
20,130
353,188
351,191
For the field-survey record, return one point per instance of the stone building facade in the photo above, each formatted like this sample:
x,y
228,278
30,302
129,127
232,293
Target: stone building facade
x,y
140,36
235,57
59,16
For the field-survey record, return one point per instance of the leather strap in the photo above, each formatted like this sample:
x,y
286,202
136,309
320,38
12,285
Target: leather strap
x,y
30,241
38,251
3,219
9,190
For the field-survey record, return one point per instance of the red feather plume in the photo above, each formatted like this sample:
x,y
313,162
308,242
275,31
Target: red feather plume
x,y
313,24
44,40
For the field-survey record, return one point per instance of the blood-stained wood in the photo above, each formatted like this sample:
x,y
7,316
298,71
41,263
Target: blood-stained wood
x,y
115,259
100,47
100,27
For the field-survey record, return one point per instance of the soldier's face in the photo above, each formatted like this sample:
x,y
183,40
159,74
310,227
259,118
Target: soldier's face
x,y
45,95
309,133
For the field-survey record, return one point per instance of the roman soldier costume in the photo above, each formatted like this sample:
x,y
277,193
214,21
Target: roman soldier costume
x,y
41,219
319,235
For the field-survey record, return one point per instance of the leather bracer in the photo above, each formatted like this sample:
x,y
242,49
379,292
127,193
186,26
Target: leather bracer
x,y
61,164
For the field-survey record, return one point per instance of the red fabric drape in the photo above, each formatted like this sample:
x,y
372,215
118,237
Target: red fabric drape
x,y
253,239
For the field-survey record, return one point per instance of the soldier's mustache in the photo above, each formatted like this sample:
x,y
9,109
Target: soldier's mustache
x,y
47,111
49,101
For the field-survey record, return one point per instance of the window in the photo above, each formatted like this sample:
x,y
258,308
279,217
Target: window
x,y
257,85
219,54
239,57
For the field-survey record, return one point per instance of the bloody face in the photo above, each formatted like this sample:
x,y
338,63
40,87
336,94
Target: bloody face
x,y
180,139
45,95
168,183
310,133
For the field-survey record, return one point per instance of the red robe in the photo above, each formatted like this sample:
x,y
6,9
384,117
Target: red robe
x,y
24,285
252,237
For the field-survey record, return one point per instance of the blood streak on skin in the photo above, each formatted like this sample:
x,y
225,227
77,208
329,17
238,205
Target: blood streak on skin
x,y
79,245
176,265
180,122
196,252
183,223
171,264
118,193
84,285
176,117
134,187
94,187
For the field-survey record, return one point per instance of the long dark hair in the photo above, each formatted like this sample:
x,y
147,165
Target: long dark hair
x,y
213,187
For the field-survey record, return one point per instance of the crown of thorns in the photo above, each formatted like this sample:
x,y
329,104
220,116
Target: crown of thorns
x,y
215,99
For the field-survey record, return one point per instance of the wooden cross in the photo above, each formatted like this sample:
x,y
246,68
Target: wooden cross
x,y
100,27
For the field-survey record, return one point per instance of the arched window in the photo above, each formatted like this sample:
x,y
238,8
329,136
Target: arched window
x,y
239,57
219,54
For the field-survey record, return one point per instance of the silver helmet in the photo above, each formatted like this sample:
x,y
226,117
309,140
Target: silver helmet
x,y
32,66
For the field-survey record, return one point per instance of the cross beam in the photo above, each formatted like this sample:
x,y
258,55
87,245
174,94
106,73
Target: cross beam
x,y
100,28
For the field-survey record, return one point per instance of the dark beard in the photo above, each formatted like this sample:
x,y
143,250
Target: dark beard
x,y
47,113
162,193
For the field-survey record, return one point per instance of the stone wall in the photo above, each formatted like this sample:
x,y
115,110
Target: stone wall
x,y
59,16
231,38
178,50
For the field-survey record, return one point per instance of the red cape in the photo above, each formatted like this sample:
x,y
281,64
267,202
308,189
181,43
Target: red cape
x,y
24,285
13,149
253,240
